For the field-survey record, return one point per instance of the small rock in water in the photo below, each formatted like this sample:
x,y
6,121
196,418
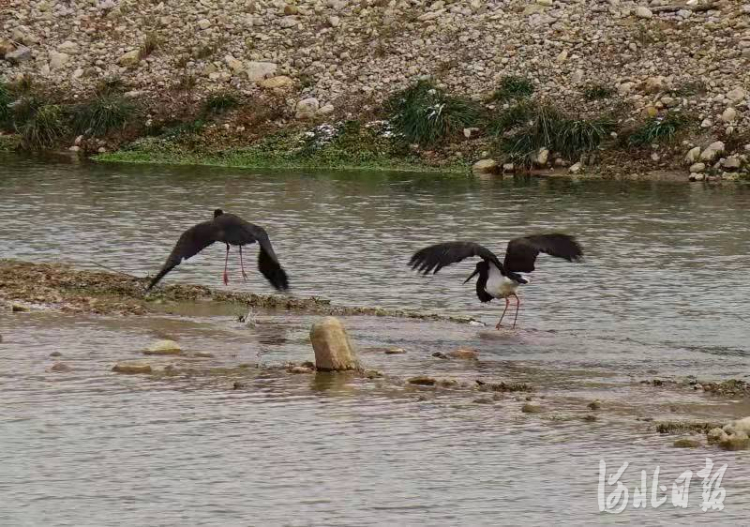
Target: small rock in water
x,y
531,409
485,166
395,351
686,443
422,380
590,418
164,347
55,354
18,308
440,355
299,369
1,339
132,368
464,353
59,367
594,405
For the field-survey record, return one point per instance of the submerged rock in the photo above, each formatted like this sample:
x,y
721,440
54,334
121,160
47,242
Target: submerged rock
x,y
59,367
395,351
594,405
531,409
132,368
440,355
464,353
333,350
485,166
164,347
686,443
422,380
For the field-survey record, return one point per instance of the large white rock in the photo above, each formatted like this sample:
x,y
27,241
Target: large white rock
x,y
485,166
712,152
307,108
131,58
58,60
257,71
71,48
737,95
235,65
643,12
693,155
697,168
729,115
333,350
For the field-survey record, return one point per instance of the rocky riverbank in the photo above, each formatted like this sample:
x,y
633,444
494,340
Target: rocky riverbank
x,y
252,83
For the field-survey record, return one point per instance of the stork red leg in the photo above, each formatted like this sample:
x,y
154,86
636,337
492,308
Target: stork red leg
x,y
518,307
507,301
242,266
226,261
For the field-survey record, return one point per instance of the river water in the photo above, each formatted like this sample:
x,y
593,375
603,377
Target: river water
x,y
662,293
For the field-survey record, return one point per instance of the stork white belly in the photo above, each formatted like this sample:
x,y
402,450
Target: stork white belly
x,y
499,286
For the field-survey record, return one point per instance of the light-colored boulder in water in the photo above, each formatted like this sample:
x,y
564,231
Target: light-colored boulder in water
x,y
132,368
333,350
485,166
164,347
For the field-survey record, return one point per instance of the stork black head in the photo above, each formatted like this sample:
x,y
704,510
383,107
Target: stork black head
x,y
218,212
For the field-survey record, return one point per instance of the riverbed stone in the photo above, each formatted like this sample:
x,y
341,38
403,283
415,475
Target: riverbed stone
x,y
737,95
132,368
643,12
60,367
697,168
693,155
485,166
58,60
21,54
282,81
686,442
163,347
711,153
307,108
333,349
129,59
464,353
257,71
729,115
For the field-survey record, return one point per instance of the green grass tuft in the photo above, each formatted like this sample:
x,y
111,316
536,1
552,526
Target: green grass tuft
x,y
426,115
6,112
220,102
597,92
557,132
512,87
102,115
150,44
657,130
110,85
43,126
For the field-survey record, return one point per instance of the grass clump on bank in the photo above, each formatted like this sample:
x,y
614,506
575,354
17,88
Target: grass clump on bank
x,y
512,87
426,115
42,126
657,130
523,131
220,102
597,92
103,114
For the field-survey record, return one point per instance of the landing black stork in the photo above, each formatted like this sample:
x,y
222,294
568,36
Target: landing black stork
x,y
498,280
231,230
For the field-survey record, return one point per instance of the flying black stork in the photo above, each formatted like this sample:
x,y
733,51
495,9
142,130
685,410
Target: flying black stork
x,y
231,230
498,280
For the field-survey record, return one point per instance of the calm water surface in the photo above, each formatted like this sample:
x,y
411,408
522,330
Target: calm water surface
x,y
664,290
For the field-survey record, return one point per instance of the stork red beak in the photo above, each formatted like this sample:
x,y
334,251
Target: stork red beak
x,y
476,272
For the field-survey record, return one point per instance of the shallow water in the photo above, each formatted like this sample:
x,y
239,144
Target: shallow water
x,y
663,292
